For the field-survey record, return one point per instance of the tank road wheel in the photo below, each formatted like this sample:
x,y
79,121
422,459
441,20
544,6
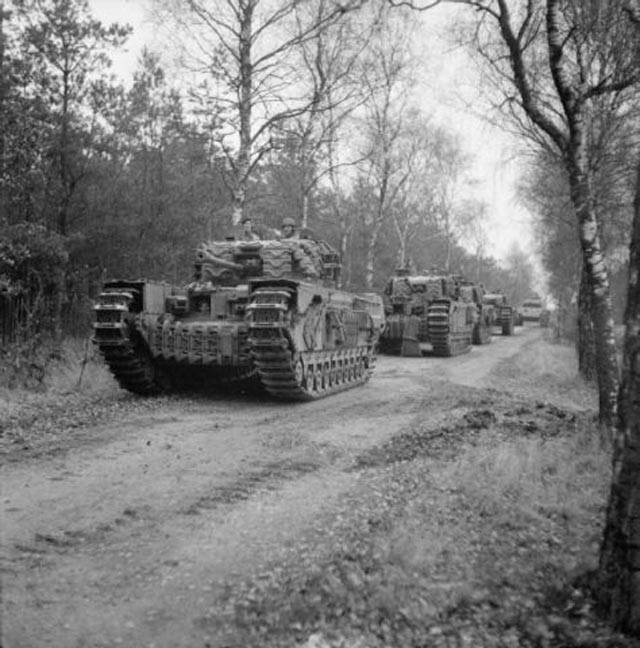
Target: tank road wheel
x,y
326,377
298,374
334,373
318,386
311,379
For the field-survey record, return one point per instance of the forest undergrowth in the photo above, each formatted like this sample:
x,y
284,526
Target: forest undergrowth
x,y
47,394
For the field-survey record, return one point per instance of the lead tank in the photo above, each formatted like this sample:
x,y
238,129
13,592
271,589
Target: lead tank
x,y
266,310
433,311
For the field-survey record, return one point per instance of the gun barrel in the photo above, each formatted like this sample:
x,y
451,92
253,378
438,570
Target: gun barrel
x,y
206,256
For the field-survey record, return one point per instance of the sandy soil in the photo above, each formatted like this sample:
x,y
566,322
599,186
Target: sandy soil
x,y
127,538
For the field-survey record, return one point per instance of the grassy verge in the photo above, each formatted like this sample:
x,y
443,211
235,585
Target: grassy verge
x,y
45,398
482,533
74,366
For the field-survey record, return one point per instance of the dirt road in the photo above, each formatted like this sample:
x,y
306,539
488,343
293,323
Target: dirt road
x,y
129,537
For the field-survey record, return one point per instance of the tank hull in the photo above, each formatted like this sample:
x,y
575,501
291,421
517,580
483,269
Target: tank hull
x,y
431,313
445,330
261,312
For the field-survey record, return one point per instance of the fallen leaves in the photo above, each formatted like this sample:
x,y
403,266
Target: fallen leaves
x,y
408,561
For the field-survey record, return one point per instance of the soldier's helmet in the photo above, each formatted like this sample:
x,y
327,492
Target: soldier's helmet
x,y
288,221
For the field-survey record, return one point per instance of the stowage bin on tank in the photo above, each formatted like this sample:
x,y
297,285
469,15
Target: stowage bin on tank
x,y
433,311
267,310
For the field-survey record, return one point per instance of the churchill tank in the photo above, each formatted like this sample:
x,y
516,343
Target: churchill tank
x,y
433,312
264,310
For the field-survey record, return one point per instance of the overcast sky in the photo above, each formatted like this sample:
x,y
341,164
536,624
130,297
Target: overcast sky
x,y
446,80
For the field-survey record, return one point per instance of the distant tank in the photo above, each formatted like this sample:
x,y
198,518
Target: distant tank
x,y
504,316
483,324
267,310
434,311
531,310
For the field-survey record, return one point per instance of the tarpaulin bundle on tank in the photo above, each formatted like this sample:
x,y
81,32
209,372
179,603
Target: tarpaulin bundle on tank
x,y
238,260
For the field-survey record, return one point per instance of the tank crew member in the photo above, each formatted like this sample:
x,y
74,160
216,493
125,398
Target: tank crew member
x,y
289,229
247,230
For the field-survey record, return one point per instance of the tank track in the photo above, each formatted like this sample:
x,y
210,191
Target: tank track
x,y
131,366
481,332
507,320
302,375
311,375
444,342
135,370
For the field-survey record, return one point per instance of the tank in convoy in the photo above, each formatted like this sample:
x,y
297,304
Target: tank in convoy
x,y
503,314
433,311
267,310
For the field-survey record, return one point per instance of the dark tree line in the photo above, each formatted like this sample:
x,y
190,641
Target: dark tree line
x,y
99,178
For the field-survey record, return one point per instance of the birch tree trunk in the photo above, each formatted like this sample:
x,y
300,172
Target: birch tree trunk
x,y
3,94
345,275
245,106
371,253
585,340
619,570
402,232
402,253
596,275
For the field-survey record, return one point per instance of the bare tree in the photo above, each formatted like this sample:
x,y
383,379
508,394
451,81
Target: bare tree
x,y
414,201
249,51
520,273
434,163
332,68
619,569
556,62
451,221
386,112
472,215
619,587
